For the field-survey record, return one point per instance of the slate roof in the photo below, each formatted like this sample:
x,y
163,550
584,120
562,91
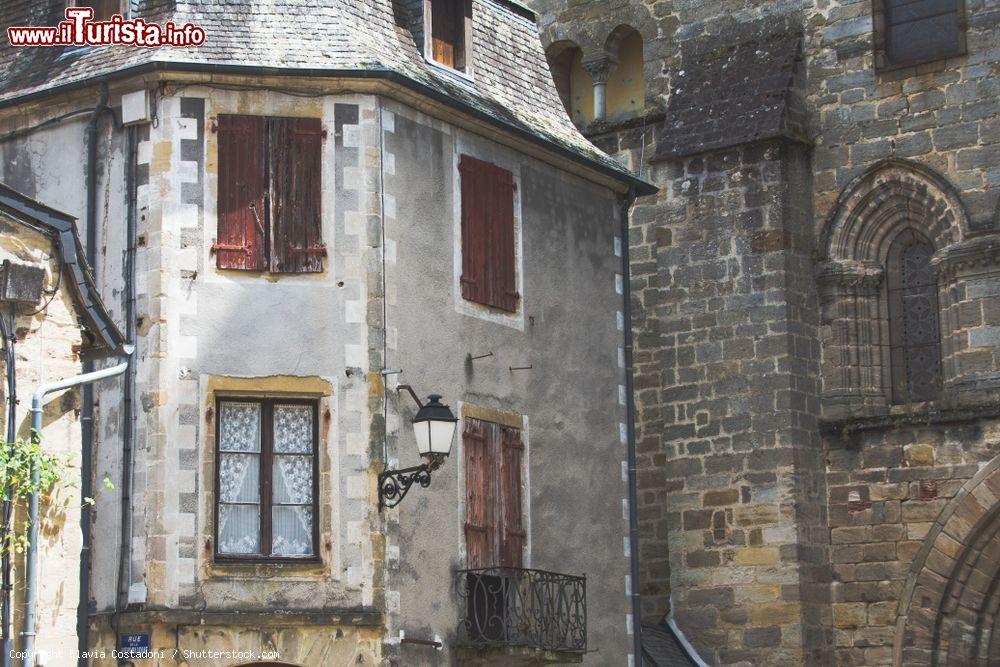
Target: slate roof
x,y
105,337
661,648
733,89
511,84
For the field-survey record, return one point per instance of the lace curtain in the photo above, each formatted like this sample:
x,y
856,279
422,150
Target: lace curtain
x,y
292,479
291,497
239,485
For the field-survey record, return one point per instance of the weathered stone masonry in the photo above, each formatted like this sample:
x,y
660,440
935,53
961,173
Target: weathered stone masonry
x,y
789,508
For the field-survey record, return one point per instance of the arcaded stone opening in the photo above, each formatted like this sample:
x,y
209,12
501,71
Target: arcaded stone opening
x,y
948,612
626,94
862,373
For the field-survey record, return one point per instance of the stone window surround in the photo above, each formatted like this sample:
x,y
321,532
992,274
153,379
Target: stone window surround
x,y
326,566
892,196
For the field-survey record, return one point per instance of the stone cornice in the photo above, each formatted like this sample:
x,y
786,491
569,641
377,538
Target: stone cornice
x,y
863,274
977,252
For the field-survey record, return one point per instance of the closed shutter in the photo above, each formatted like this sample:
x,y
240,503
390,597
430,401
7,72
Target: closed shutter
x,y
240,235
512,533
503,258
479,496
489,257
295,146
475,230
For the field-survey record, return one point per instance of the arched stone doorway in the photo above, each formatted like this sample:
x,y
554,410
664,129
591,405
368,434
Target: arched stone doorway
x,y
949,611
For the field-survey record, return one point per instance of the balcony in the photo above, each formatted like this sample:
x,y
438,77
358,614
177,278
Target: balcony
x,y
523,616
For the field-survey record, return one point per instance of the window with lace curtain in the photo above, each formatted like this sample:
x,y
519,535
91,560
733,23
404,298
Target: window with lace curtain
x,y
266,479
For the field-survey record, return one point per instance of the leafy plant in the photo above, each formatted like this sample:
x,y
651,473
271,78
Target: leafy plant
x,y
17,460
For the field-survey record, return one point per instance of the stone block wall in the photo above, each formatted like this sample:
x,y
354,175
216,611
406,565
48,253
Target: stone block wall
x,y
867,480
727,394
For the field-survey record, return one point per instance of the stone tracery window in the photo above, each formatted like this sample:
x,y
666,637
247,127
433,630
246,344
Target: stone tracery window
x,y
914,327
889,331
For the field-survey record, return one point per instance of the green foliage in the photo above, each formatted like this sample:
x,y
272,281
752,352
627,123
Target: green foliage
x,y
17,460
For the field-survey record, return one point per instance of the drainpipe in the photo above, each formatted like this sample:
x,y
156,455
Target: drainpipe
x,y
124,574
633,516
31,567
87,409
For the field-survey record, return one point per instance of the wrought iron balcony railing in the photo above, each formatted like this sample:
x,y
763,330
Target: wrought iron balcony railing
x,y
504,606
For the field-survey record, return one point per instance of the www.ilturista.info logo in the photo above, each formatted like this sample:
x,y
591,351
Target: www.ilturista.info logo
x,y
79,30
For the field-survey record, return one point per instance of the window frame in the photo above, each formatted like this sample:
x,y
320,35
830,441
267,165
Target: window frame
x,y
267,404
880,59
467,23
122,11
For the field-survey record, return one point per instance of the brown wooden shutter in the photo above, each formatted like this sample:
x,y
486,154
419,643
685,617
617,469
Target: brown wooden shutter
x,y
295,151
503,255
240,234
475,230
480,529
489,256
512,533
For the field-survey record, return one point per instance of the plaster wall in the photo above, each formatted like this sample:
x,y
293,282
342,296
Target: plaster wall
x,y
567,329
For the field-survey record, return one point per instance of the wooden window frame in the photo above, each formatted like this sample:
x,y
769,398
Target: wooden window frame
x,y
880,58
466,68
121,11
267,404
272,258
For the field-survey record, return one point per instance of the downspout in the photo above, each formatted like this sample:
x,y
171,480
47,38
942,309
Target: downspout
x,y
124,578
31,566
87,409
10,339
633,516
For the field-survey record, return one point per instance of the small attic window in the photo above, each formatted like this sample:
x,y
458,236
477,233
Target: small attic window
x,y
103,9
448,32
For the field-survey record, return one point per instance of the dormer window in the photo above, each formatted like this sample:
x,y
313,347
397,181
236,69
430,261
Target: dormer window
x,y
448,32
103,9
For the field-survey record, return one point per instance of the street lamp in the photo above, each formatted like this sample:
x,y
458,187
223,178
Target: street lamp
x,y
434,427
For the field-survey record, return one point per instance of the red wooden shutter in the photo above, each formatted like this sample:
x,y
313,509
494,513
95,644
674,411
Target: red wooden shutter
x,y
475,230
503,256
240,235
296,146
512,533
479,496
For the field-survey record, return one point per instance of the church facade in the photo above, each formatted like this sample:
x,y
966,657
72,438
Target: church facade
x,y
816,289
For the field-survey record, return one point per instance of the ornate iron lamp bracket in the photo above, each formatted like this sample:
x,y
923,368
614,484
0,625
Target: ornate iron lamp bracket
x,y
393,485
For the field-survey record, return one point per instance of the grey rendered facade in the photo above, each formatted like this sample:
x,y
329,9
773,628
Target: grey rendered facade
x,y
388,299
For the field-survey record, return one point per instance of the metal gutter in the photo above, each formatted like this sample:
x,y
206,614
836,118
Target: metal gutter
x,y
381,73
10,338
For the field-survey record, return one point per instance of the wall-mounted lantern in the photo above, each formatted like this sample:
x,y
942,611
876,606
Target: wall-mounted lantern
x,y
434,427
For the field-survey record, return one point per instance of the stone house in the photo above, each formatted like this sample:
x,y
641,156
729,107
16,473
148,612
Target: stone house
x,y
815,289
321,205
53,311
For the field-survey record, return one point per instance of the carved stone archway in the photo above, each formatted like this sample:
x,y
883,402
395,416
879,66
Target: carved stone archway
x,y
949,610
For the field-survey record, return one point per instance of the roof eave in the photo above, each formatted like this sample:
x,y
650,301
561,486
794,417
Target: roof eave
x,y
109,340
627,179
